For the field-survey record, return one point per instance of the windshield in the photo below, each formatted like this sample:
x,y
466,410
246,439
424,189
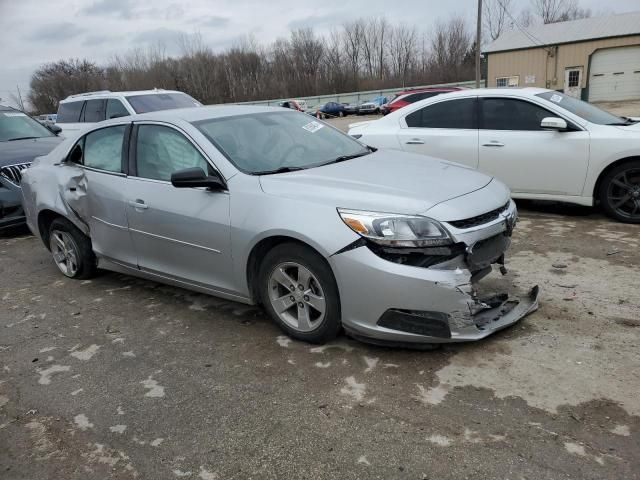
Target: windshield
x,y
265,142
18,126
161,101
582,109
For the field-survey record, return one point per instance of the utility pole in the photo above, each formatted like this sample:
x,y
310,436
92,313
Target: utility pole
x,y
478,36
20,98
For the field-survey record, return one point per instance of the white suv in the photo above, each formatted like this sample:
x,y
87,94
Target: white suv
x,y
76,111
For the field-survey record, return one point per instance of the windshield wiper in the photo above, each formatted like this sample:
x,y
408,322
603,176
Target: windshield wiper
x,y
20,138
343,158
627,121
279,170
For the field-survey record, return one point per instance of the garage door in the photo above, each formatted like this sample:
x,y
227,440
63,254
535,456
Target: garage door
x,y
614,74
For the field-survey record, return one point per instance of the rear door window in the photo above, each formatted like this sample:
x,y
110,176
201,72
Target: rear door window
x,y
69,112
457,114
103,149
94,111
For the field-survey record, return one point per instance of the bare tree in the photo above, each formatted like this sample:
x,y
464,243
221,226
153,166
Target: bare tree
x,y
450,46
526,18
55,81
495,17
402,50
352,34
553,11
365,53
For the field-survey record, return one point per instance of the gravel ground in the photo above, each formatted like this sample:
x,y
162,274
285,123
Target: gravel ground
x,y
123,378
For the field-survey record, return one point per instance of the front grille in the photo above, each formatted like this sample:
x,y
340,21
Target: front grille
x,y
480,219
13,173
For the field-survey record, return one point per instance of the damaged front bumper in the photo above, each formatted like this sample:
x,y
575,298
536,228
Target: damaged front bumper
x,y
394,303
11,211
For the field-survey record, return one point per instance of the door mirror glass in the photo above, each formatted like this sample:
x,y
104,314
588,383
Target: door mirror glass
x,y
553,123
195,177
76,155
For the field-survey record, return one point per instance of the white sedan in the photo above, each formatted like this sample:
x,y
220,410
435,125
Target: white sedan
x,y
543,144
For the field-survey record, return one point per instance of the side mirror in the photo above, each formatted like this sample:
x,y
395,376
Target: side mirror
x,y
553,123
54,129
195,177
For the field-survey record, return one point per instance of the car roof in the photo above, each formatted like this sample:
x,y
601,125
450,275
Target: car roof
x,y
194,114
503,92
429,89
108,94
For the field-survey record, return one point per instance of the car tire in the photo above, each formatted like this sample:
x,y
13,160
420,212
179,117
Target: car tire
x,y
619,192
308,308
71,249
377,111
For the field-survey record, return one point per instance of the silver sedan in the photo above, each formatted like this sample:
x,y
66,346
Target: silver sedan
x,y
264,205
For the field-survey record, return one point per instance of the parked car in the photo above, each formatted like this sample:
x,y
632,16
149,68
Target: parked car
x,y
330,109
265,205
412,95
372,106
76,111
295,104
21,140
47,119
543,144
350,108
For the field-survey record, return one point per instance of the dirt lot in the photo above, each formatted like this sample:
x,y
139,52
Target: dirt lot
x,y
123,378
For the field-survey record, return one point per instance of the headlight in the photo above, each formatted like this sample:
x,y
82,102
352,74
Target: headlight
x,y
396,230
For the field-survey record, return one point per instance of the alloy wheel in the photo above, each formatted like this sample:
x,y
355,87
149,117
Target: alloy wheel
x,y
623,193
65,252
297,296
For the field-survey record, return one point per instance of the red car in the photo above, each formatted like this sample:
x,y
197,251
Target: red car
x,y
404,98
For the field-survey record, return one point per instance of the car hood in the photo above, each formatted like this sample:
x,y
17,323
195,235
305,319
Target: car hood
x,y
386,181
631,128
24,151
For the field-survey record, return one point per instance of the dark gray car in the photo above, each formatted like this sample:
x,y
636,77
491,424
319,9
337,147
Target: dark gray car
x,y
21,140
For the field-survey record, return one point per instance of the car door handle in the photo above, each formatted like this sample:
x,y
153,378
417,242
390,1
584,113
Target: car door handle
x,y
138,204
493,144
415,141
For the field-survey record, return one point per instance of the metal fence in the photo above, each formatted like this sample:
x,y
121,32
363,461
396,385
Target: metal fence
x,y
358,97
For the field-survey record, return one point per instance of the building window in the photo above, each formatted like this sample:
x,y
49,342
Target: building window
x,y
574,78
512,81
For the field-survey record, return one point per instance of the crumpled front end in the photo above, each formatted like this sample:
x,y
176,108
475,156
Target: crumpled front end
x,y
432,295
11,211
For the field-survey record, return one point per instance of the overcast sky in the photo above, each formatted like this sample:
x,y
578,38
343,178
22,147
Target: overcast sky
x,y
39,31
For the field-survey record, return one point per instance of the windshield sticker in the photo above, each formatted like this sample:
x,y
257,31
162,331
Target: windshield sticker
x,y
556,98
14,114
313,126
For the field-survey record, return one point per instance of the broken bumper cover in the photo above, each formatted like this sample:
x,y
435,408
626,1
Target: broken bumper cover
x,y
393,304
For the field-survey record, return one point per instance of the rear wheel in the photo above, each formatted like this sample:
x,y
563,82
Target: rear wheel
x,y
71,250
620,192
300,293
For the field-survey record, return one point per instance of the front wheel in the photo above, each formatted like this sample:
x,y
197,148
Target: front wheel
x,y
71,249
299,291
620,192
